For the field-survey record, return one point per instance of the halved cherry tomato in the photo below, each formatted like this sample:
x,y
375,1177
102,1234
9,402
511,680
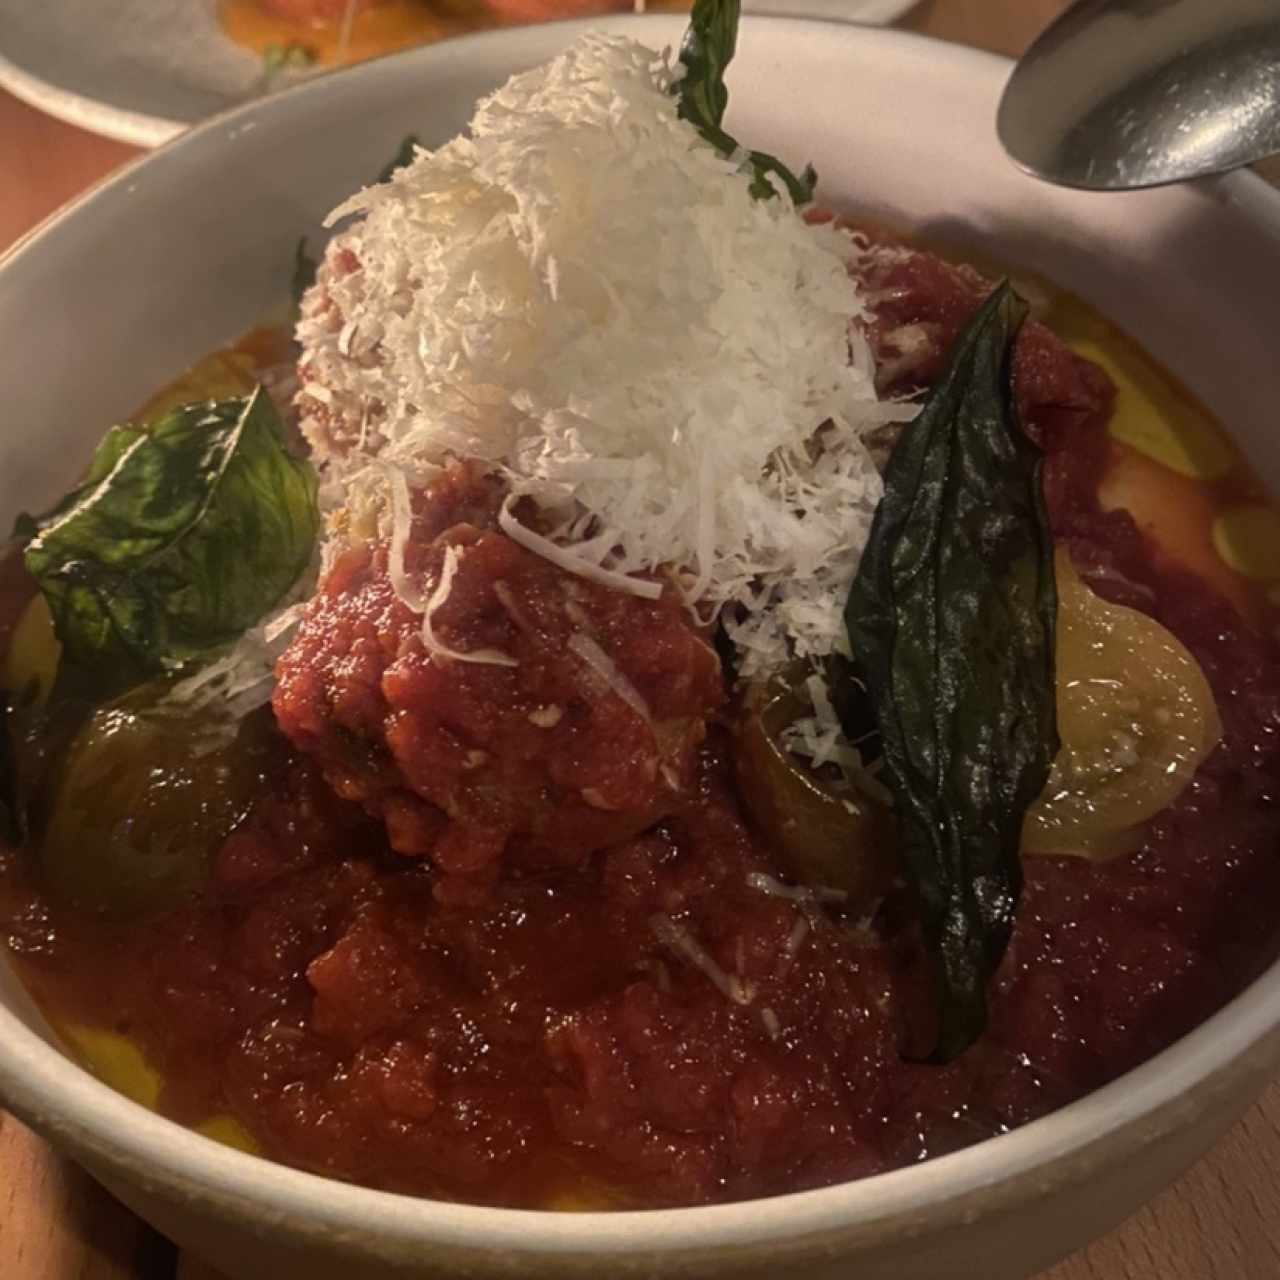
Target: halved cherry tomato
x,y
826,831
1136,717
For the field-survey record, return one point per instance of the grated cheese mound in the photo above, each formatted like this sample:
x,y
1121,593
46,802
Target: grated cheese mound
x,y
582,293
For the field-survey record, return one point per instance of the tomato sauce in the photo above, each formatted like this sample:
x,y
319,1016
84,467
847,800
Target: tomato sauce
x,y
660,1021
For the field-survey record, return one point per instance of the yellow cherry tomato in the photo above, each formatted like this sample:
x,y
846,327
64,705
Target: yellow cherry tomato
x,y
825,831
1136,717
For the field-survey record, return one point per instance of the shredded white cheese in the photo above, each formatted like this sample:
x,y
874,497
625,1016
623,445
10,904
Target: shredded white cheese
x,y
401,527
242,678
795,939
680,941
773,888
583,294
566,558
820,739
604,666
434,645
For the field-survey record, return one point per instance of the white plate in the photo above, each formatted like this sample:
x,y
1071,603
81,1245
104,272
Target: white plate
x,y
143,70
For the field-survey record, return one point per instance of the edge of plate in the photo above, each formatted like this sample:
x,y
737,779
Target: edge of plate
x,y
143,130
87,113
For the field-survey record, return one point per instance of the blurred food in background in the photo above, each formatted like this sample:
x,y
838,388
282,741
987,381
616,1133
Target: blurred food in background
x,y
293,34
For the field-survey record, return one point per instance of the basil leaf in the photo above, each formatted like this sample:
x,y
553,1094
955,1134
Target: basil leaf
x,y
851,701
951,618
179,539
708,48
404,156
304,272
111,448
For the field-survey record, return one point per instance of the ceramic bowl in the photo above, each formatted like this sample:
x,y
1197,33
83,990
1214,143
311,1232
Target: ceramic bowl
x,y
190,246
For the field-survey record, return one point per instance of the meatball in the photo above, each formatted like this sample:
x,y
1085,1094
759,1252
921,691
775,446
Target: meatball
x,y
580,731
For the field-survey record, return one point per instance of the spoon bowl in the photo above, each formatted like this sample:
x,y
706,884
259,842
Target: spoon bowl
x,y
1121,94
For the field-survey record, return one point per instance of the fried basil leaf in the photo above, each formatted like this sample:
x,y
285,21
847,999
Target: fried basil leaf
x,y
708,48
951,618
180,538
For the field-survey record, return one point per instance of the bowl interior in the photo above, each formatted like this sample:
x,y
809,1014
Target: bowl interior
x,y
190,247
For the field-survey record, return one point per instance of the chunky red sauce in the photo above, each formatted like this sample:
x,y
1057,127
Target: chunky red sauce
x,y
414,966
517,760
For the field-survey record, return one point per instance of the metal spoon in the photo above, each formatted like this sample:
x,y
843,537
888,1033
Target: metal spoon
x,y
1118,94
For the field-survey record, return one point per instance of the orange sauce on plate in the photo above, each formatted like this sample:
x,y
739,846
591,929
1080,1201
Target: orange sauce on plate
x,y
381,29
398,24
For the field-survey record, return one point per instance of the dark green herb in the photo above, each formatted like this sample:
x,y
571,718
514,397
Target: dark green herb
x,y
180,538
952,620
304,265
286,57
708,48
851,700
402,157
304,271
111,448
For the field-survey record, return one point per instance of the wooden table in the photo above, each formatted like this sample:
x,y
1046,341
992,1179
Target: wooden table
x,y
1220,1222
